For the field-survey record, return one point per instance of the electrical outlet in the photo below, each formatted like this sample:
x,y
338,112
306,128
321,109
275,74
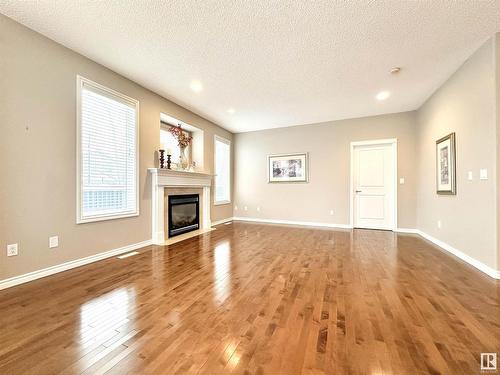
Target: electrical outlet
x,y
245,208
483,174
53,242
331,212
236,208
258,208
469,176
12,250
402,181
439,224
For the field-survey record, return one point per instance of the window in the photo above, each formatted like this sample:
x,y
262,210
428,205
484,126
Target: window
x,y
222,171
168,141
107,142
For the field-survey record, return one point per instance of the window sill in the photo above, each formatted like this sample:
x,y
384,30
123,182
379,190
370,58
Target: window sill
x,y
104,218
220,203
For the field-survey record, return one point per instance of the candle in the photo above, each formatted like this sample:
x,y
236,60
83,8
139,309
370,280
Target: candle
x,y
169,151
162,146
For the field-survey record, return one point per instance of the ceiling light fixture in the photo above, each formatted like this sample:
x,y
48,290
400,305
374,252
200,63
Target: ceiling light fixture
x,y
395,70
231,111
196,86
382,95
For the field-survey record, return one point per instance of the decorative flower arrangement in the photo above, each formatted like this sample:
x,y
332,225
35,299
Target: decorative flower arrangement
x,y
183,139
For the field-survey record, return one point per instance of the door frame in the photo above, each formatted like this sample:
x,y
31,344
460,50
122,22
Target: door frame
x,y
390,141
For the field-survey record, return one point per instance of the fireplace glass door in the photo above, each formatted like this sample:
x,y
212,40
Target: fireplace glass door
x,y
183,214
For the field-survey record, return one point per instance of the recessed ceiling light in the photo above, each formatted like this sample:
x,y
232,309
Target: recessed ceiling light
x,y
196,86
231,111
382,95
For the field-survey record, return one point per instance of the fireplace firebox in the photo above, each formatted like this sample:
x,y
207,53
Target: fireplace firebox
x,y
183,214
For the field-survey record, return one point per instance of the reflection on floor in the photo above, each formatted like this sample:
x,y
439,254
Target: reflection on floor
x,y
251,298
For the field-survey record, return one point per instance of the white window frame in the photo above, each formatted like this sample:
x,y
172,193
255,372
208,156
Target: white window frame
x,y
228,142
80,82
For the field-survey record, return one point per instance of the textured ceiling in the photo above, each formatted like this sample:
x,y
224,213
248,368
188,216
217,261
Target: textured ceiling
x,y
277,63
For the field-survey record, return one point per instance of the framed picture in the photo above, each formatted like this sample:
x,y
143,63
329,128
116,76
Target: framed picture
x,y
445,165
288,168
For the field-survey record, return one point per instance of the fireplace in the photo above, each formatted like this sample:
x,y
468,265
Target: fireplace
x,y
183,214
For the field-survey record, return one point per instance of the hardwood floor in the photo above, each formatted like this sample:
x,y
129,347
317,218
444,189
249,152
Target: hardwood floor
x,y
258,299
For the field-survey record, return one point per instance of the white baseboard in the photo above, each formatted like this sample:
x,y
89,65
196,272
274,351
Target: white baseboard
x,y
292,222
21,279
218,222
466,258
406,230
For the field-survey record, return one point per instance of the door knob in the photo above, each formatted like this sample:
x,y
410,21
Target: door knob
x,y
359,191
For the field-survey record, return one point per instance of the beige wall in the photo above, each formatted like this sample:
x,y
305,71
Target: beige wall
x,y
466,105
37,153
328,145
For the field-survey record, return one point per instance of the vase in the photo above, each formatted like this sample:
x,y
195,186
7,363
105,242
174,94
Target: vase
x,y
184,159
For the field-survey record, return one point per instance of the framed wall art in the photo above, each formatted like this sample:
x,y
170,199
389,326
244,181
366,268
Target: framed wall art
x,y
288,168
446,165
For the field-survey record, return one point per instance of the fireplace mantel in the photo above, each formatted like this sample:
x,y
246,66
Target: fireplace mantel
x,y
165,178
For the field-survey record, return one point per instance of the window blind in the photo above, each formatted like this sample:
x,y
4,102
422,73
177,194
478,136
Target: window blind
x,y
222,170
108,154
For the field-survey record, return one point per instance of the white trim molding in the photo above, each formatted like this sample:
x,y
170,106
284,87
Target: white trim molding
x,y
220,203
223,221
406,230
466,258
21,279
292,222
81,83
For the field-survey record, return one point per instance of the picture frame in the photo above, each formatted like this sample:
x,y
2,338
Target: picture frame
x,y
446,165
286,168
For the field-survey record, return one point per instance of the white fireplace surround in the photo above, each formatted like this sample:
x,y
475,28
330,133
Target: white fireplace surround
x,y
165,178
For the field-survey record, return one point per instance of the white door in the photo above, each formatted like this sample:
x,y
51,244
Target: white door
x,y
373,183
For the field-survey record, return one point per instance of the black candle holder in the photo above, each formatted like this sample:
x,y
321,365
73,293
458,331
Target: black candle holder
x,y
162,158
168,161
